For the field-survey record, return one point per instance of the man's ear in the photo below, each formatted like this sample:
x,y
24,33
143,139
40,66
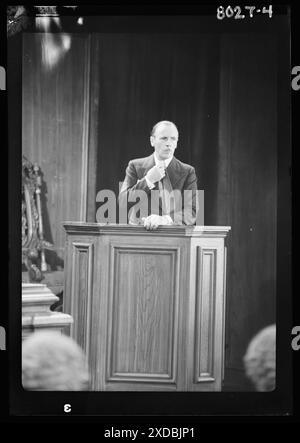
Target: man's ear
x,y
152,140
177,142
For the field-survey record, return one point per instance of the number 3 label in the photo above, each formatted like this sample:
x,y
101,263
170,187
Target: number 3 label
x,y
67,407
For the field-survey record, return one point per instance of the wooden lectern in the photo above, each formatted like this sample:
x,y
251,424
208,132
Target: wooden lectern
x,y
148,306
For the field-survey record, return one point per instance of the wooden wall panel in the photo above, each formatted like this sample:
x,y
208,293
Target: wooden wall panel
x,y
55,131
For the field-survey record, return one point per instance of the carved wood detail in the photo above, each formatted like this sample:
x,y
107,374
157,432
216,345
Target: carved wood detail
x,y
33,243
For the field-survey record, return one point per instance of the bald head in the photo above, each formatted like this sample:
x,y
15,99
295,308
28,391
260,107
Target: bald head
x,y
163,123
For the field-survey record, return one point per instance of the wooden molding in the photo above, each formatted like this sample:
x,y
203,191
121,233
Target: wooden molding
x,y
81,303
124,229
205,320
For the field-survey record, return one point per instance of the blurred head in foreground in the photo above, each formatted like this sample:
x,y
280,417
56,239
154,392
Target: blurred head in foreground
x,y
53,362
260,359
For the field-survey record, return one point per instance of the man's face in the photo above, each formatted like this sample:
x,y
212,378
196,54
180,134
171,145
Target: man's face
x,y
164,141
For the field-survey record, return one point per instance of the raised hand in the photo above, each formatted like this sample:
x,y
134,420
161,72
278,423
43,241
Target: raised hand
x,y
155,174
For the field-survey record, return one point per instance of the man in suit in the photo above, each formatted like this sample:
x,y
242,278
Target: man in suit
x,y
175,183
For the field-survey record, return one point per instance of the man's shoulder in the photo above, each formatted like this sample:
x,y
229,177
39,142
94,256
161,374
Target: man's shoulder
x,y
143,162
182,165
137,162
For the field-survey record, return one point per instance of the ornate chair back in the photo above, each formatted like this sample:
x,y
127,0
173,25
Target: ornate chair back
x,y
33,243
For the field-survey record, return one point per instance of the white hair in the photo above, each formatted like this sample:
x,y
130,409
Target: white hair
x,y
53,361
260,359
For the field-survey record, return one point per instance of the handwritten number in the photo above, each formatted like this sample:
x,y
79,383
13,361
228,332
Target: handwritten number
x,y
270,10
220,13
251,9
229,11
238,11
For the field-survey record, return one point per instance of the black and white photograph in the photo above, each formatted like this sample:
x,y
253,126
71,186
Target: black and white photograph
x,y
150,154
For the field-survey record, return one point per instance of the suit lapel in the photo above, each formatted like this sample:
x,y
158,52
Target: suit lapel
x,y
174,171
148,163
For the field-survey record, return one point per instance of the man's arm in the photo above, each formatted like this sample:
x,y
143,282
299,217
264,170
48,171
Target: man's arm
x,y
131,184
131,181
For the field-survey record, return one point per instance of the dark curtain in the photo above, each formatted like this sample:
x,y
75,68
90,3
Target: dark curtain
x,y
147,78
220,90
246,197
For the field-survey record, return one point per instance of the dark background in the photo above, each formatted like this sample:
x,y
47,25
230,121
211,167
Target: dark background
x,y
228,96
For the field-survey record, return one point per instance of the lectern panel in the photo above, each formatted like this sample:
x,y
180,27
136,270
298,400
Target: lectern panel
x,y
144,314
82,259
205,314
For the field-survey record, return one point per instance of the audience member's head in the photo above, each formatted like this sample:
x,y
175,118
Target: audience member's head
x,y
260,359
52,361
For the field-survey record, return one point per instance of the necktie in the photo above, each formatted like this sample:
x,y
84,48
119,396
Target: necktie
x,y
165,190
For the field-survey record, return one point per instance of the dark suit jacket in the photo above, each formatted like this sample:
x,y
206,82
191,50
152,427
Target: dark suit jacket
x,y
181,175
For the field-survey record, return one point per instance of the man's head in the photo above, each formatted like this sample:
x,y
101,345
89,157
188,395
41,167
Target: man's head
x,y
164,138
52,361
260,359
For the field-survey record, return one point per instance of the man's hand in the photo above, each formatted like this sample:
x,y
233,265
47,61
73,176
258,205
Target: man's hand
x,y
155,174
153,221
